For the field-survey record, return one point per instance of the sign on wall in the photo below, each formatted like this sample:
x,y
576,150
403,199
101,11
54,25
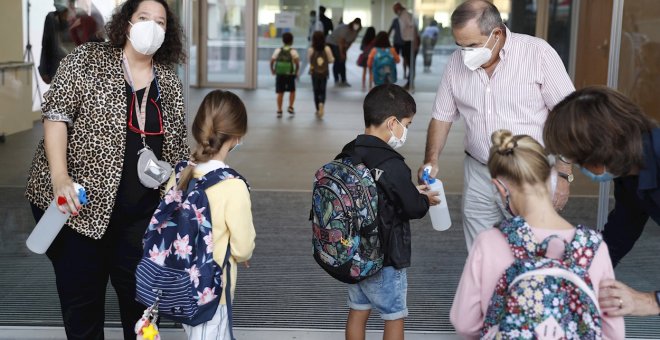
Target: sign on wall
x,y
285,19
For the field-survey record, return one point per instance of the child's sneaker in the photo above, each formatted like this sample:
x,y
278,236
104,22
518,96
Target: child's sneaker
x,y
320,112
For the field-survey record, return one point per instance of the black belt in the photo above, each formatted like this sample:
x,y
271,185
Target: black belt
x,y
469,155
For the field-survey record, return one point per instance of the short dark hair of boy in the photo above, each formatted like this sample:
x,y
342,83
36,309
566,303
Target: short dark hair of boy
x,y
287,38
387,100
382,40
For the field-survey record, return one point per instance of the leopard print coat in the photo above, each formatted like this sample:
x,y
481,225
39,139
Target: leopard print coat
x,y
88,93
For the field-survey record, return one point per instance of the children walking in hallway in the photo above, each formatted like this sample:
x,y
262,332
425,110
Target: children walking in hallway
x,y
285,65
320,56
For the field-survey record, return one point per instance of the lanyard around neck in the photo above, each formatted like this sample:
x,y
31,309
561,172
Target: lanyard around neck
x,y
142,109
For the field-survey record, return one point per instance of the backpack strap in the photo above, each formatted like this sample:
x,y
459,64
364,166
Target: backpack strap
x,y
582,249
519,236
227,288
542,249
218,175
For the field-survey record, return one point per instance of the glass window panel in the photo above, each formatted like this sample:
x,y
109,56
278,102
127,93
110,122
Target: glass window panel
x,y
639,73
559,27
226,41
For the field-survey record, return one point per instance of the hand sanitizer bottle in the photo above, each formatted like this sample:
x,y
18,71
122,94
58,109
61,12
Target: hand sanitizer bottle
x,y
440,219
51,223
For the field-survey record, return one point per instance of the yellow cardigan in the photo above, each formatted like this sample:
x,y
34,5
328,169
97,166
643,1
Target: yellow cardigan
x,y
231,216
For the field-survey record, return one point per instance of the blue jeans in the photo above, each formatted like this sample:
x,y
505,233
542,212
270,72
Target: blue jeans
x,y
386,291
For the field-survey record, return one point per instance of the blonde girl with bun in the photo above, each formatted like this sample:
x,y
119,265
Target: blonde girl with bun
x,y
218,128
520,171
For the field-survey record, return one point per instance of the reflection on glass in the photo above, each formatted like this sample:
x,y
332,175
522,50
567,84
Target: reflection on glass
x,y
226,41
639,73
520,16
71,24
559,27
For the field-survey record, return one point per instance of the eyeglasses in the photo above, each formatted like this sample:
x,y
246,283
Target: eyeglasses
x,y
137,130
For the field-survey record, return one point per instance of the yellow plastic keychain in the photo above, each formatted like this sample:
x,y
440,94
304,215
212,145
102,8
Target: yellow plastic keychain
x,y
146,328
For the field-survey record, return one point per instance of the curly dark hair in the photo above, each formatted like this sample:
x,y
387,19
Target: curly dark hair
x,y
170,53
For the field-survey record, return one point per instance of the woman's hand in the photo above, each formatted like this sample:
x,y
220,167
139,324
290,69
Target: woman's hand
x,y
65,195
617,299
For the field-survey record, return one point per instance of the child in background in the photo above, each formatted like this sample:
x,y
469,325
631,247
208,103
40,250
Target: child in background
x,y
388,111
366,46
320,58
285,64
520,170
219,127
382,61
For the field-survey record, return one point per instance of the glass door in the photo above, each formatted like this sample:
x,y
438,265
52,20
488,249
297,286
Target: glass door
x,y
227,43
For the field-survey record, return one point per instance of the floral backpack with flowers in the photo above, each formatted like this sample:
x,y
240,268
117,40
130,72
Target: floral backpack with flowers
x,y
177,276
545,298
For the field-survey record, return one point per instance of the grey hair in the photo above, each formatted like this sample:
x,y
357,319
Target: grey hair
x,y
487,16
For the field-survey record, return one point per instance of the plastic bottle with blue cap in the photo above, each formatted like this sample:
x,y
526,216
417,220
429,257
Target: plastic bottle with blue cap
x,y
51,223
440,219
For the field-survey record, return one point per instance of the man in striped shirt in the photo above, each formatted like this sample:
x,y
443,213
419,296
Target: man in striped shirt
x,y
496,80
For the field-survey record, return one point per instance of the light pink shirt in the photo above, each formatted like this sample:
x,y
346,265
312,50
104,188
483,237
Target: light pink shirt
x,y
488,260
527,83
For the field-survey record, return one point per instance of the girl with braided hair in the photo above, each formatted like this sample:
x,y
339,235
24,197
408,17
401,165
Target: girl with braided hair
x,y
218,128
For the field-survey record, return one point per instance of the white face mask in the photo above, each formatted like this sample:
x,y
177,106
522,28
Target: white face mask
x,y
146,36
396,142
356,27
473,58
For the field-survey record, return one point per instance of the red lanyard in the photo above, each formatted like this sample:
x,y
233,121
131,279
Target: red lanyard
x,y
142,109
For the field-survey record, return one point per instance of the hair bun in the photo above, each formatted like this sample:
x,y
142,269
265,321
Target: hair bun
x,y
504,142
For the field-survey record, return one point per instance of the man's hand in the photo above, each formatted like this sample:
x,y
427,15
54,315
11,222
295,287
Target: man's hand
x,y
617,299
420,172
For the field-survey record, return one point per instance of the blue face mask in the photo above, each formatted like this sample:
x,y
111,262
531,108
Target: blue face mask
x,y
236,147
604,177
507,199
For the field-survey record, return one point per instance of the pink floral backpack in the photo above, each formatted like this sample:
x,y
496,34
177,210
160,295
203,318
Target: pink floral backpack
x,y
545,298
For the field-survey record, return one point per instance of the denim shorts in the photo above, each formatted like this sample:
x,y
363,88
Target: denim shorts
x,y
386,292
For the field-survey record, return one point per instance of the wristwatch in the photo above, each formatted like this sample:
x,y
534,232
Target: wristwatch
x,y
568,177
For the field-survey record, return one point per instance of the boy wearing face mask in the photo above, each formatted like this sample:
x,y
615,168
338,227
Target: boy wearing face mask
x,y
388,111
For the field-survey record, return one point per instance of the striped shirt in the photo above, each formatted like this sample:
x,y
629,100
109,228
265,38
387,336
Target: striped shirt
x,y
528,82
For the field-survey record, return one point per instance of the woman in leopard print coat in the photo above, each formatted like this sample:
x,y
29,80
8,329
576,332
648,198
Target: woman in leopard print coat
x,y
91,137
